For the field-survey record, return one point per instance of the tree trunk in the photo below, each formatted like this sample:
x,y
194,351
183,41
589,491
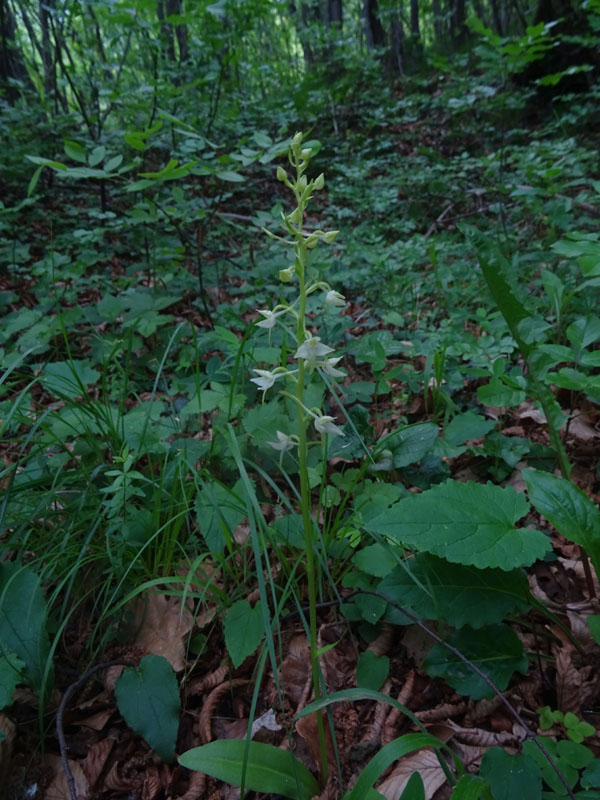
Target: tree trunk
x,y
334,13
373,27
397,44
458,16
414,19
438,25
12,66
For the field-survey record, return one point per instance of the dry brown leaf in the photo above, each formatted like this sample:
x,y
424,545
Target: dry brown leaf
x,y
383,643
95,760
295,672
97,721
196,786
160,626
424,762
528,411
210,706
59,787
307,728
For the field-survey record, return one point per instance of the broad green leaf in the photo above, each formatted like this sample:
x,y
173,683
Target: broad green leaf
x,y
148,699
23,621
268,769
46,162
75,151
593,622
68,378
244,630
496,650
470,787
387,755
414,789
466,523
229,175
410,444
432,588
497,393
549,775
219,511
568,509
375,559
511,776
371,670
11,673
113,163
467,426
497,273
96,156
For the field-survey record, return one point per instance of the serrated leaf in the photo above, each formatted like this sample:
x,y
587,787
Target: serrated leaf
x,y
411,443
68,378
511,776
466,523
23,621
148,700
371,670
467,426
269,769
374,560
496,650
497,393
432,588
568,509
244,630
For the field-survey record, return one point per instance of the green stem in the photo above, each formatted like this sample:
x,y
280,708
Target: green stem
x,y
305,496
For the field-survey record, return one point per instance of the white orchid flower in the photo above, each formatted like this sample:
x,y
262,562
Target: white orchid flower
x,y
333,298
326,425
311,349
283,443
265,379
270,317
328,366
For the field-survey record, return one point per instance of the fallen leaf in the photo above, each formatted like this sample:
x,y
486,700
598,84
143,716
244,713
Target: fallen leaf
x,y
160,626
59,786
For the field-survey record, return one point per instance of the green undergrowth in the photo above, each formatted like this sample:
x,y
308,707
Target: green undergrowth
x,y
138,449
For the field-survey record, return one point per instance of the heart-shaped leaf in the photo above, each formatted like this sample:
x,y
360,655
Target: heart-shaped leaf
x,y
148,699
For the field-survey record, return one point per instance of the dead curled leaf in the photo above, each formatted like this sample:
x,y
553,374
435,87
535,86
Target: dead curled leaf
x,y
160,626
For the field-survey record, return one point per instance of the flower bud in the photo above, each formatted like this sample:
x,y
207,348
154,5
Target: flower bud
x,y
319,182
330,236
302,183
306,154
312,242
297,140
281,174
286,275
295,218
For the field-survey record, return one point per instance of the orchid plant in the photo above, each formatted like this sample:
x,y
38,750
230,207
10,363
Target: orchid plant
x,y
311,354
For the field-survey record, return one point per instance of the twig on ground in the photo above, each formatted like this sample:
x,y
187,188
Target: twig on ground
x,y
60,734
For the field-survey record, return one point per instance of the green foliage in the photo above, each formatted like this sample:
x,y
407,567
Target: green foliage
x,y
496,650
148,699
243,630
258,767
23,633
465,523
568,509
